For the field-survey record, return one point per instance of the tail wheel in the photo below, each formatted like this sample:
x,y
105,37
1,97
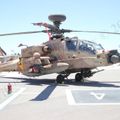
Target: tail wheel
x,y
60,79
78,77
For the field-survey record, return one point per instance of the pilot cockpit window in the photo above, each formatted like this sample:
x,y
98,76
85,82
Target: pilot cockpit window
x,y
87,47
71,45
98,47
90,47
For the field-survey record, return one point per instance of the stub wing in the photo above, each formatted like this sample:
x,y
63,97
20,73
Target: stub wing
x,y
38,70
9,66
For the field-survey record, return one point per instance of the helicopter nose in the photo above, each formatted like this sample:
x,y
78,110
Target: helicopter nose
x,y
113,56
115,59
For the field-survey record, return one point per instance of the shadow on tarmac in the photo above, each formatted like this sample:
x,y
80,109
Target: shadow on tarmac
x,y
50,88
44,95
52,82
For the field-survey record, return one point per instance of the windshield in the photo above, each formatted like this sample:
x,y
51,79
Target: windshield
x,y
89,46
71,44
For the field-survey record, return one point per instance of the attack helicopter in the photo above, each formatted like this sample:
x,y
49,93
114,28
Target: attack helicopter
x,y
61,54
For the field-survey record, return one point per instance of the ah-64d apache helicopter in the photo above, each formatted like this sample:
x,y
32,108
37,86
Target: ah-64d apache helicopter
x,y
62,55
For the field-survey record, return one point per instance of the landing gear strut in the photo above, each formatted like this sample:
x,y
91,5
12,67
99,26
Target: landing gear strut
x,y
60,79
78,77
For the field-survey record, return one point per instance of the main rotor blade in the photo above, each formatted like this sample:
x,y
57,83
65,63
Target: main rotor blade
x,y
117,33
21,33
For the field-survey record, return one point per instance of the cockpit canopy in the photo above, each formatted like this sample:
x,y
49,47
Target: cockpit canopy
x,y
74,44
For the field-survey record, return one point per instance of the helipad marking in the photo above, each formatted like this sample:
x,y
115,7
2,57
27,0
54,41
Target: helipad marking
x,y
98,96
2,105
70,98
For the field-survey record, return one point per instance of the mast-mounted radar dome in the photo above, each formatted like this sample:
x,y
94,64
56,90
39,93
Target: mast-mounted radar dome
x,y
57,18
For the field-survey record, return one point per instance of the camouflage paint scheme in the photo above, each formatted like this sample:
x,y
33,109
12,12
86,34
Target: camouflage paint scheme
x,y
58,53
58,56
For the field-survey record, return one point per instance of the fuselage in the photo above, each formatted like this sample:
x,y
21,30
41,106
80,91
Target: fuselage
x,y
56,56
77,53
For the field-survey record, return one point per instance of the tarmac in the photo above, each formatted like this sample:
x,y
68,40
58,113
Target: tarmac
x,y
41,98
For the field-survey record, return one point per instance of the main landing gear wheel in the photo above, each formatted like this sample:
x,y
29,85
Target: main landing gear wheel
x,y
78,77
60,79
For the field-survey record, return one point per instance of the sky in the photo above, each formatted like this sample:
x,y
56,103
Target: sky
x,y
18,16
